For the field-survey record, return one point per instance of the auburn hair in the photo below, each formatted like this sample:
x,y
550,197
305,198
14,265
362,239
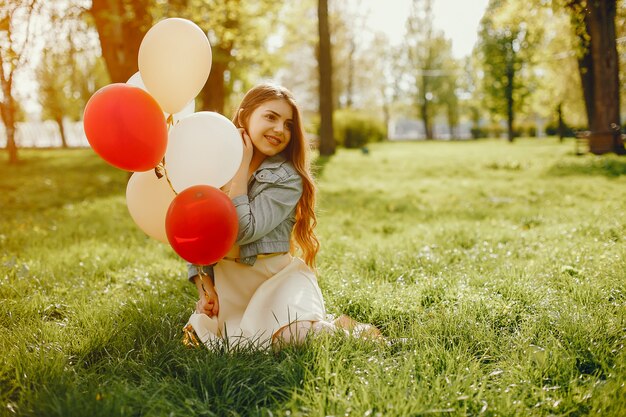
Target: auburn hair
x,y
298,153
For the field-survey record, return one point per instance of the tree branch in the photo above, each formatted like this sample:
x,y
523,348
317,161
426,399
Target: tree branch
x,y
20,53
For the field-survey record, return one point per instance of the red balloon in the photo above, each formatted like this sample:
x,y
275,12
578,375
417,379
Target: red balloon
x,y
126,127
201,224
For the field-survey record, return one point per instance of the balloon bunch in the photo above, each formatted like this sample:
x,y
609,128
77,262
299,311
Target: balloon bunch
x,y
148,121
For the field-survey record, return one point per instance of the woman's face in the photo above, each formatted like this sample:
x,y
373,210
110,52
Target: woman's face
x,y
270,126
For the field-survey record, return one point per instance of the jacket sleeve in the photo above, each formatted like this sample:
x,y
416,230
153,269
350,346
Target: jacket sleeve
x,y
268,209
192,271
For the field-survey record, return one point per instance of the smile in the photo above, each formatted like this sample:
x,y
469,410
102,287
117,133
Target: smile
x,y
273,140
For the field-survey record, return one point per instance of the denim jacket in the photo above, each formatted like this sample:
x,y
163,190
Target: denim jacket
x,y
267,213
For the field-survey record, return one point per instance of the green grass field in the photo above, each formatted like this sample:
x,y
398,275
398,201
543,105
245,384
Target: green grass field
x,y
502,266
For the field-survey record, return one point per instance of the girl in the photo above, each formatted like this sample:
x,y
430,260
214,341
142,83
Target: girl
x,y
260,292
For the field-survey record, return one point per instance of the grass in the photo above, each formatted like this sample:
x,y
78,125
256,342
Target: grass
x,y
503,267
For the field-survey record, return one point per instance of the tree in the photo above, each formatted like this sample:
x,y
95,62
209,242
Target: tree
x,y
558,96
599,71
620,26
448,98
506,47
327,140
424,44
55,93
121,26
346,21
238,33
70,70
298,51
16,17
386,75
471,100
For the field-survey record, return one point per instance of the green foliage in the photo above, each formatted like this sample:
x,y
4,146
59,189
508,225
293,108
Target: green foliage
x,y
71,68
238,33
57,96
492,130
432,70
354,129
496,272
506,49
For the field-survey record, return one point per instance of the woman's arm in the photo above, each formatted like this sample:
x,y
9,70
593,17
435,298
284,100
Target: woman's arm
x,y
239,183
208,302
268,209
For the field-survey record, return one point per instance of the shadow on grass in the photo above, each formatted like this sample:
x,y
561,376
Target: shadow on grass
x,y
132,359
609,166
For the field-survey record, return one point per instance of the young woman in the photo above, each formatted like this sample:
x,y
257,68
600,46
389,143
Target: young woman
x,y
260,292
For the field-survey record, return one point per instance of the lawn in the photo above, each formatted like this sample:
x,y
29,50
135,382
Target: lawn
x,y
497,272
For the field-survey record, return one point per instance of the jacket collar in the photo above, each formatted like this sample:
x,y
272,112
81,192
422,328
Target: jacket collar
x,y
272,162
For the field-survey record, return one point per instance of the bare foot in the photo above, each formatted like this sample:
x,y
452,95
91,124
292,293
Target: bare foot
x,y
366,331
209,303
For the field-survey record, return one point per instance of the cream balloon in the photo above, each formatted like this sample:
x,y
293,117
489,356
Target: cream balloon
x,y
186,111
174,62
148,198
204,148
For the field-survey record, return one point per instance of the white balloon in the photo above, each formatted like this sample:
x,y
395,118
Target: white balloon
x,y
148,198
203,148
189,109
136,80
175,62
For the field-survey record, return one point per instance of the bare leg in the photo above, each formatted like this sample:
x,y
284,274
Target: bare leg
x,y
295,333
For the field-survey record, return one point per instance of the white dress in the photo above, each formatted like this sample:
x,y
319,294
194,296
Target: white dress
x,y
257,301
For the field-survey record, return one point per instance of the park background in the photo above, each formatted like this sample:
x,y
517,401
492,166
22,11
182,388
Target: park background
x,y
457,210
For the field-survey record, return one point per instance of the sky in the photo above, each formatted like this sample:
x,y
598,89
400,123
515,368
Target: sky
x,y
458,19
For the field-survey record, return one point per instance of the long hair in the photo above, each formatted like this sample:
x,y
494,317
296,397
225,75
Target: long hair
x,y
297,152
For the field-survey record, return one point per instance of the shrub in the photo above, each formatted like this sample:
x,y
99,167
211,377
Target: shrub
x,y
354,129
493,130
478,132
568,131
525,130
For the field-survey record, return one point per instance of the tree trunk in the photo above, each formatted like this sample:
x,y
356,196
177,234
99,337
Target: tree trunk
x,y
7,108
11,145
121,33
585,69
561,125
510,113
428,129
59,122
451,117
214,92
327,139
599,70
424,108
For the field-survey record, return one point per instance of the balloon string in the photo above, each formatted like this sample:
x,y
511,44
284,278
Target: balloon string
x,y
160,170
167,177
202,273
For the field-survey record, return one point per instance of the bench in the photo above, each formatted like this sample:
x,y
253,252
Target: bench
x,y
582,142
